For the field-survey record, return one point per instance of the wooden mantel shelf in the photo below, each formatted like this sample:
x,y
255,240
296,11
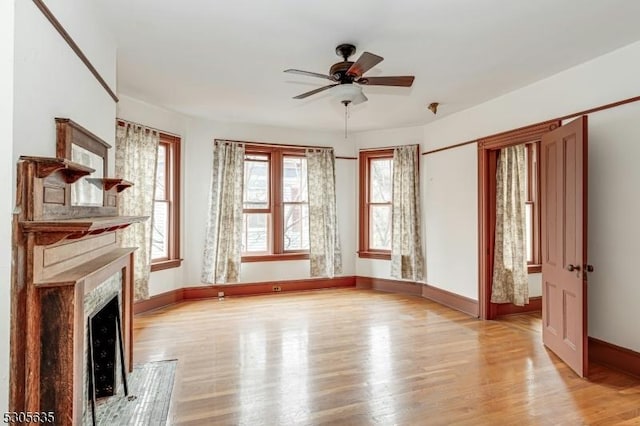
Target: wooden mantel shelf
x,y
51,231
70,171
109,183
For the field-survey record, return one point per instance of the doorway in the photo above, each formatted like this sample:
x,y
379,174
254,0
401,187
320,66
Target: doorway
x,y
488,151
560,185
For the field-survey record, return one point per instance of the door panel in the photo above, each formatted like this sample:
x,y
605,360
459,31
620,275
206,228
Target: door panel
x,y
564,254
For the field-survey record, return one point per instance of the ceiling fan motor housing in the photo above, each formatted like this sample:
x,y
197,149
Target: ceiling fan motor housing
x,y
339,72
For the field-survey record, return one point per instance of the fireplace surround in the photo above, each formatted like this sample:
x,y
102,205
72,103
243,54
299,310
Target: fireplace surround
x,y
66,263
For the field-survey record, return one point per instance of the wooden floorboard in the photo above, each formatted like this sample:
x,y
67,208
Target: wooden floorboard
x,y
361,357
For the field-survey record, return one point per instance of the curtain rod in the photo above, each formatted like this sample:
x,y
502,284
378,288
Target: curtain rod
x,y
274,145
382,148
122,122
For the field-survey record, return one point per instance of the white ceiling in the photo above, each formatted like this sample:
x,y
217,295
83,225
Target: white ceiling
x,y
223,60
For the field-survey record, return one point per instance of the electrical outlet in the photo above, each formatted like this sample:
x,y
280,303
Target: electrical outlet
x,y
277,288
221,294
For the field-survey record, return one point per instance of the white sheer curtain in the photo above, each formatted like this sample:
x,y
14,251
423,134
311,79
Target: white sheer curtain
x,y
407,260
223,244
510,282
136,154
325,257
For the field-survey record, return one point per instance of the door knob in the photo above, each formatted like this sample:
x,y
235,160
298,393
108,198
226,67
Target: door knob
x,y
572,268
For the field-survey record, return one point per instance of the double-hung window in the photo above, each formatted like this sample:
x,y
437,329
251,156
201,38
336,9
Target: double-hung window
x,y
275,204
532,207
165,238
376,187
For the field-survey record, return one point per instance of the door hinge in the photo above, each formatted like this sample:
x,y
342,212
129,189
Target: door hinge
x,y
587,268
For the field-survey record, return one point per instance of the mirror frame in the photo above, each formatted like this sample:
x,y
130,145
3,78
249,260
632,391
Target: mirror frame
x,y
69,133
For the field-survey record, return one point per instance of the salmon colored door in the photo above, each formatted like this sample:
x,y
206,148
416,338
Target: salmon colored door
x,y
563,164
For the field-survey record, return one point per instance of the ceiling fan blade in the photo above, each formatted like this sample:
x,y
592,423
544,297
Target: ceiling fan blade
x,y
365,62
400,80
360,99
309,73
313,92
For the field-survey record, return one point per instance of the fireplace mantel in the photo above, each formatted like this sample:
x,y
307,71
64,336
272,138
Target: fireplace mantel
x,y
51,231
61,254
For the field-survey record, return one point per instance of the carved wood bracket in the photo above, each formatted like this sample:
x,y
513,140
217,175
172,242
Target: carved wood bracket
x,y
110,183
70,171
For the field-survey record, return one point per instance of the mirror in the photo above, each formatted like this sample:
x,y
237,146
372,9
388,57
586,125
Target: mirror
x,y
81,146
88,190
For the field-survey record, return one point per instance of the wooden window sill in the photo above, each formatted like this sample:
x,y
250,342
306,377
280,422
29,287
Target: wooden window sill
x,y
534,269
274,257
374,255
166,264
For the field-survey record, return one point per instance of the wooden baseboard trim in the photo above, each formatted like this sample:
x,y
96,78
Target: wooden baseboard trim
x,y
158,301
535,305
452,300
615,357
249,289
455,301
389,286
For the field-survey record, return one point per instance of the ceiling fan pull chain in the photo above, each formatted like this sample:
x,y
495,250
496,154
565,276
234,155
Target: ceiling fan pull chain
x,y
346,116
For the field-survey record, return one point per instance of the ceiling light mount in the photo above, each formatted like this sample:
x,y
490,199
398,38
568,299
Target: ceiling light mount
x,y
345,50
433,107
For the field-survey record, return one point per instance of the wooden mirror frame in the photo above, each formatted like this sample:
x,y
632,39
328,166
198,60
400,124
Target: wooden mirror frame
x,y
69,133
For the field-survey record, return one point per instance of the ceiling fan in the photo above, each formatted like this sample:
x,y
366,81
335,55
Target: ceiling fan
x,y
346,73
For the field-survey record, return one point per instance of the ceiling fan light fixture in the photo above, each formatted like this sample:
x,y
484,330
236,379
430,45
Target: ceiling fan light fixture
x,y
347,93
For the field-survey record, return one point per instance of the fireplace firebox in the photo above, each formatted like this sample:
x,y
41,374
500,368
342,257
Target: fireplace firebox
x,y
105,353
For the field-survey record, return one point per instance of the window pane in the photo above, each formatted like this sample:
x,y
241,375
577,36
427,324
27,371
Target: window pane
x,y
255,232
296,227
160,231
257,157
380,227
256,184
527,173
294,179
380,180
529,224
161,173
533,174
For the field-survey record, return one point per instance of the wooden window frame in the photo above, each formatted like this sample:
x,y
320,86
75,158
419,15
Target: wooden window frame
x,y
533,198
364,219
276,205
172,197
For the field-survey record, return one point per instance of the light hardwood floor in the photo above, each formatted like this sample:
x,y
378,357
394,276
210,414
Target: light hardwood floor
x,y
361,357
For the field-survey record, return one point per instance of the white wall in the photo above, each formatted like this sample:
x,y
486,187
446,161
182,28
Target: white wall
x,y
50,81
197,175
535,285
6,196
614,230
451,220
171,122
